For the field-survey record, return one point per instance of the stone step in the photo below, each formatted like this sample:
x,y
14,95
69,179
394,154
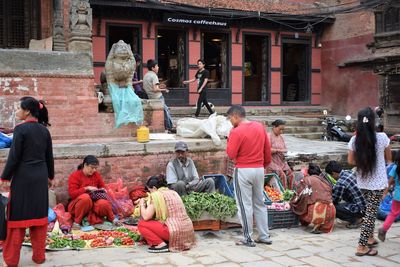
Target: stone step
x,y
306,111
303,129
291,121
310,136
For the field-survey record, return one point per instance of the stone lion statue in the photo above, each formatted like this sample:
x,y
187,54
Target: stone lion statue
x,y
120,64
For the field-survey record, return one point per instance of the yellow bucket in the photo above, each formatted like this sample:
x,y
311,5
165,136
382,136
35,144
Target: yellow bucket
x,y
143,134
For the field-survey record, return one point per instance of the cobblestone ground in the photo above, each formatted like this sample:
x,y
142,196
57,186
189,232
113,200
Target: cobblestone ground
x,y
291,247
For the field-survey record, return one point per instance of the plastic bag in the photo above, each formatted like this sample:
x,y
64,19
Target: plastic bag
x,y
51,215
209,126
385,207
64,218
126,104
5,140
215,127
120,201
137,192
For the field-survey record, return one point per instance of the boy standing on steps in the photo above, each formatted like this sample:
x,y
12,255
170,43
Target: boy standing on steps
x,y
201,76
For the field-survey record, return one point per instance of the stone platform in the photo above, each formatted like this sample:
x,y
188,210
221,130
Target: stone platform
x,y
134,162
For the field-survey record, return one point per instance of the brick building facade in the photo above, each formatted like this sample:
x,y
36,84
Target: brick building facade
x,y
272,53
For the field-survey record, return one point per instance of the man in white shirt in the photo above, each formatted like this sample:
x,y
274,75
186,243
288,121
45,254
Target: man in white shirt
x,y
182,174
154,90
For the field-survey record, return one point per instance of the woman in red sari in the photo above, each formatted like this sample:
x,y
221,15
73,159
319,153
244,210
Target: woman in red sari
x,y
81,184
278,149
29,166
313,202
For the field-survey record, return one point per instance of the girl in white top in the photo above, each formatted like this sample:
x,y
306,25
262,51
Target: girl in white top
x,y
368,151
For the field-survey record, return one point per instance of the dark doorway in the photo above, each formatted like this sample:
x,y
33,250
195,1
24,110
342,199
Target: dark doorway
x,y
296,70
171,56
128,33
215,52
255,70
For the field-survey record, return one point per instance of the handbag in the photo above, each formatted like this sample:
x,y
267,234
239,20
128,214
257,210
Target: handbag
x,y
98,194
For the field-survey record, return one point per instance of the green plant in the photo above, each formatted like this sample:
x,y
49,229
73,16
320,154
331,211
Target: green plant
x,y
217,205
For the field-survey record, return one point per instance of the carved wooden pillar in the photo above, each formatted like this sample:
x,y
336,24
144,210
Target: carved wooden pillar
x,y
58,26
80,39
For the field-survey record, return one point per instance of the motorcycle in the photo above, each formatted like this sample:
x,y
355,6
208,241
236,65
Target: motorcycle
x,y
333,130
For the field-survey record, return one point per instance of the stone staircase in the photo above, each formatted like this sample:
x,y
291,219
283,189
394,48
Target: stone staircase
x,y
301,122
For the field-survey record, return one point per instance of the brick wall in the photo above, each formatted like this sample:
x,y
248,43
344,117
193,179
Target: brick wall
x,y
346,90
134,169
72,105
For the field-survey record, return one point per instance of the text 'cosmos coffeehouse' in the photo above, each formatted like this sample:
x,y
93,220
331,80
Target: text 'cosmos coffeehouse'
x,y
254,58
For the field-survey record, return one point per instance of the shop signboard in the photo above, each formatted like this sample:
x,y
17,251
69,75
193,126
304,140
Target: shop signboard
x,y
205,21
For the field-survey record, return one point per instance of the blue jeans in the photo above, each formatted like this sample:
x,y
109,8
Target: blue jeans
x,y
221,184
167,116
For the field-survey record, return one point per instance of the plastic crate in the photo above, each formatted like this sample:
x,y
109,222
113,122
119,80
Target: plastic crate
x,y
272,179
282,219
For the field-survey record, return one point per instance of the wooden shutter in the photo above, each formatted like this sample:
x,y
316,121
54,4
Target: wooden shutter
x,y
19,22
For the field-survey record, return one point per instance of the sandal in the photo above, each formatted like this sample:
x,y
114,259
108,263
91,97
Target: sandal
x,y
158,250
373,244
369,252
245,243
266,241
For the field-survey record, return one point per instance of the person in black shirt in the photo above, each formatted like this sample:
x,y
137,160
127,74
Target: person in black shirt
x,y
202,76
29,167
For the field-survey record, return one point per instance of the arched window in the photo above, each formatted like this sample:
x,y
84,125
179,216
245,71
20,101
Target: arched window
x,y
19,22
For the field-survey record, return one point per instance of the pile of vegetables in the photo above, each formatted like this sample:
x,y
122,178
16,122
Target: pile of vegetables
x,y
134,235
288,194
217,205
273,194
281,206
62,242
119,237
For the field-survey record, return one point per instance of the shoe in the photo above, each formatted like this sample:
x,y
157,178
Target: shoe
x,y
158,250
264,241
172,131
76,226
369,252
245,243
382,234
354,225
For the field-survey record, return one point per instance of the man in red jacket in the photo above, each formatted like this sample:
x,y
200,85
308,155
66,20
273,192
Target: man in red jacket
x,y
249,147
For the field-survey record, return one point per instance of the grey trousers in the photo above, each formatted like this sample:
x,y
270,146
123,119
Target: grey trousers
x,y
249,184
206,185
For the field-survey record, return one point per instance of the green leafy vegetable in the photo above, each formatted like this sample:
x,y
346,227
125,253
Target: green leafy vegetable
x,y
78,243
288,194
118,241
217,205
59,242
134,235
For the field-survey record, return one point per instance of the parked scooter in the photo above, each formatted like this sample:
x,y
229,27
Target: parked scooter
x,y
333,130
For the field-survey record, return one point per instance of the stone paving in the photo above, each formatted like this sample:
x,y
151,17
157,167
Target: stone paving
x,y
291,247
